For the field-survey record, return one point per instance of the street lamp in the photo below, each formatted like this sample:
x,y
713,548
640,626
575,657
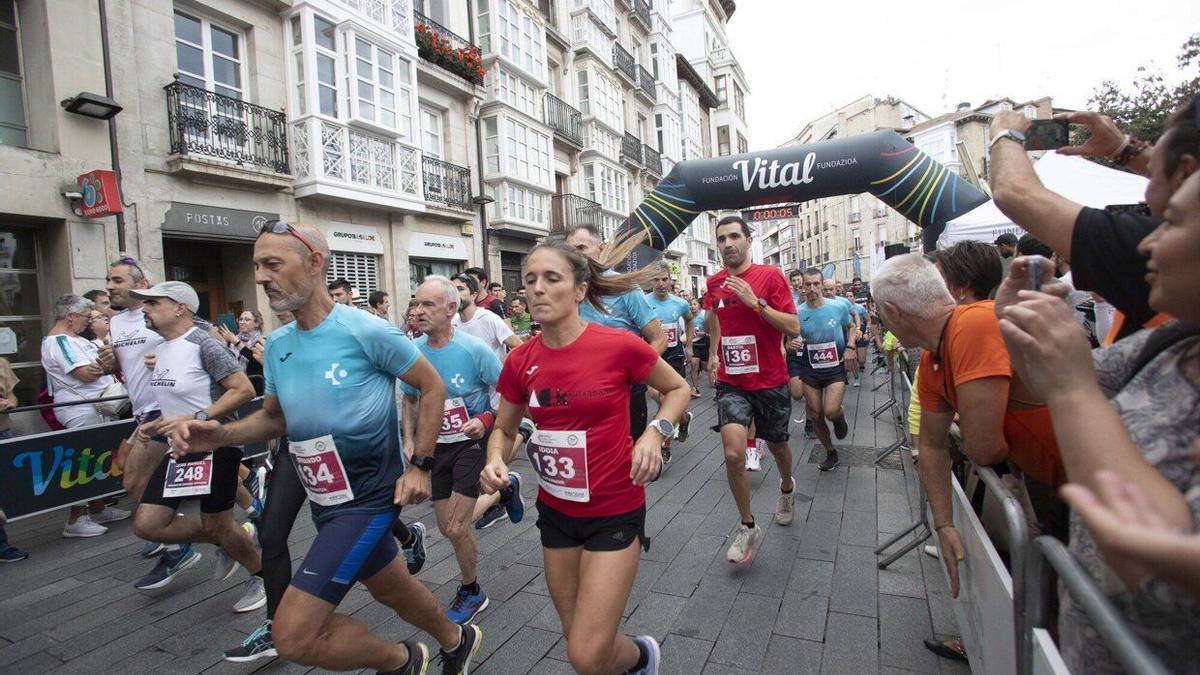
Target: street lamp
x,y
482,200
91,105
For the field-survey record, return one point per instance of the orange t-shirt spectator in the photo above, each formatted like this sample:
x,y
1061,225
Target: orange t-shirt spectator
x,y
971,348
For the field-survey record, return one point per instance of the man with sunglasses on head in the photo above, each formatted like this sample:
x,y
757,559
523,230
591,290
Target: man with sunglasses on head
x,y
331,378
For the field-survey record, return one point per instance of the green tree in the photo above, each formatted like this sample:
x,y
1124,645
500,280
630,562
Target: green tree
x,y
1142,108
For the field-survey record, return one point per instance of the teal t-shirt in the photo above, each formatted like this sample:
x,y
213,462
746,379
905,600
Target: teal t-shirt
x,y
629,311
339,379
669,311
824,331
467,366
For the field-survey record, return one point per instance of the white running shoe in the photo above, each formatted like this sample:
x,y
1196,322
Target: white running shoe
x,y
753,459
83,527
254,595
744,540
109,515
931,550
785,509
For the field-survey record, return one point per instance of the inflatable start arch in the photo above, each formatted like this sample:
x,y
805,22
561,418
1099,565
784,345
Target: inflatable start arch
x,y
881,163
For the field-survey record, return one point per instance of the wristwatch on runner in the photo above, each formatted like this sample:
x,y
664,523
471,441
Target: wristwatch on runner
x,y
663,427
422,462
761,305
201,415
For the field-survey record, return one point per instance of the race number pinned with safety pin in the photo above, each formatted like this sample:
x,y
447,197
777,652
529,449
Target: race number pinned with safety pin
x,y
739,353
560,459
454,416
321,471
188,479
672,332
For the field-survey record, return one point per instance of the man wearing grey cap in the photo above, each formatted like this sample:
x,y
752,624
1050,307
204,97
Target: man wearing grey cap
x,y
195,378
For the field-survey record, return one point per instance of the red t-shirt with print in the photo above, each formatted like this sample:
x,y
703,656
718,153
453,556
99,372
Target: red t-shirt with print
x,y
751,350
578,398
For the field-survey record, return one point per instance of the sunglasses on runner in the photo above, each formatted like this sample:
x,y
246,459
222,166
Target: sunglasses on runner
x,y
280,227
126,260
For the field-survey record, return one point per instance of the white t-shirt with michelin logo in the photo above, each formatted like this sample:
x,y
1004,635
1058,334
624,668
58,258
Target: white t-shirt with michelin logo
x,y
131,341
187,372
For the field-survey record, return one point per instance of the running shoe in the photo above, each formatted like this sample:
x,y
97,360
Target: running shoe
x,y
110,515
666,455
493,515
931,550
840,428
458,662
152,548
225,566
856,383
648,646
254,595
418,660
785,509
466,605
514,506
809,432
12,554
830,461
83,527
257,645
742,548
753,459
682,432
170,564
414,553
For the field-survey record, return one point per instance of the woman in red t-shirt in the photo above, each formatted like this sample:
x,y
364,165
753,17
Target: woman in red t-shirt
x,y
573,381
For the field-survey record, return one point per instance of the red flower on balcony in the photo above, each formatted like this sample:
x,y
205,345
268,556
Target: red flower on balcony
x,y
466,62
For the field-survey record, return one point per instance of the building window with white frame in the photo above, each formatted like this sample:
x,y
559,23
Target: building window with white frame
x,y
723,141
491,145
527,152
742,144
360,269
739,102
381,86
12,96
722,90
208,55
325,44
432,141
518,35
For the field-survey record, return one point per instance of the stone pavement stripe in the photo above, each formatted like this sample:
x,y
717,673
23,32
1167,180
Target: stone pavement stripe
x,y
851,645
819,539
855,587
742,642
772,566
684,655
654,615
802,615
903,624
786,655
704,614
858,528
521,652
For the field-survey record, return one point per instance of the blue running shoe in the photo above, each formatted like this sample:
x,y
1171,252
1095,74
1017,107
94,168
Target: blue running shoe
x,y
152,548
515,505
170,564
493,515
257,645
466,605
648,646
414,553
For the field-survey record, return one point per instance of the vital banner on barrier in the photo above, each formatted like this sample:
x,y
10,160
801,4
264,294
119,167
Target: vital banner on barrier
x,y
881,163
48,471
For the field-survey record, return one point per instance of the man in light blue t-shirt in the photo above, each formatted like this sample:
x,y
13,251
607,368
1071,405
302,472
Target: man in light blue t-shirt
x,y
331,388
826,326
628,312
469,368
670,309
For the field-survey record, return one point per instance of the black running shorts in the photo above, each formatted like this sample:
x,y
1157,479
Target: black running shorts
x,y
609,533
769,409
456,468
222,487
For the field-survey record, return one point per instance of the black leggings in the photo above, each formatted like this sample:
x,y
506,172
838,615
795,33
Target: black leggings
x,y
285,498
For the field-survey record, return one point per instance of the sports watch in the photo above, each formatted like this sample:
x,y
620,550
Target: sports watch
x,y
762,304
422,462
1008,133
663,427
201,415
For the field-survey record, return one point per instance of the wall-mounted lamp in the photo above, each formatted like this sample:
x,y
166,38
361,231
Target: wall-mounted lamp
x,y
91,105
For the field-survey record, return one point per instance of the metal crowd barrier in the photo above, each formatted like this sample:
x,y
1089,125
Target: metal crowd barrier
x,y
1049,558
920,529
1017,534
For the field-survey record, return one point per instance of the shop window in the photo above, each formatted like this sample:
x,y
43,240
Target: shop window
x,y
20,309
360,269
419,269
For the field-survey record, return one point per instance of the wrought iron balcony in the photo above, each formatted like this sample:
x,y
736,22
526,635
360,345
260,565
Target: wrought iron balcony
x,y
567,211
447,184
641,12
631,148
647,82
205,123
566,121
623,62
445,48
652,160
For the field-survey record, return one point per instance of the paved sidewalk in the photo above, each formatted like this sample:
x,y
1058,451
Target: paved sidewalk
x,y
811,602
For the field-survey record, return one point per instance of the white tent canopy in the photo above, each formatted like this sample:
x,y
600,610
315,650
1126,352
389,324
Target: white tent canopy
x,y
1075,178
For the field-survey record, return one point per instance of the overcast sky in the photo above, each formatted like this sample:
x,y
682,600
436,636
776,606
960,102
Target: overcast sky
x,y
804,58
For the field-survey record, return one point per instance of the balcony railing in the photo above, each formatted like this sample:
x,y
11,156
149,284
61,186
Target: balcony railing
x,y
566,121
652,160
567,211
647,82
445,48
391,14
880,212
205,123
641,12
446,183
631,148
623,62
855,217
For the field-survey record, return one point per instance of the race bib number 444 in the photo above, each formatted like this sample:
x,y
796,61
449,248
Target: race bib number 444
x,y
560,459
739,353
321,471
823,355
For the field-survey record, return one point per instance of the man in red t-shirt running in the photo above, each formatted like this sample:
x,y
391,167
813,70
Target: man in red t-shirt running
x,y
750,310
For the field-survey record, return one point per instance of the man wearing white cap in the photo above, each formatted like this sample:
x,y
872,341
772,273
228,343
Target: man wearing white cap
x,y
195,378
